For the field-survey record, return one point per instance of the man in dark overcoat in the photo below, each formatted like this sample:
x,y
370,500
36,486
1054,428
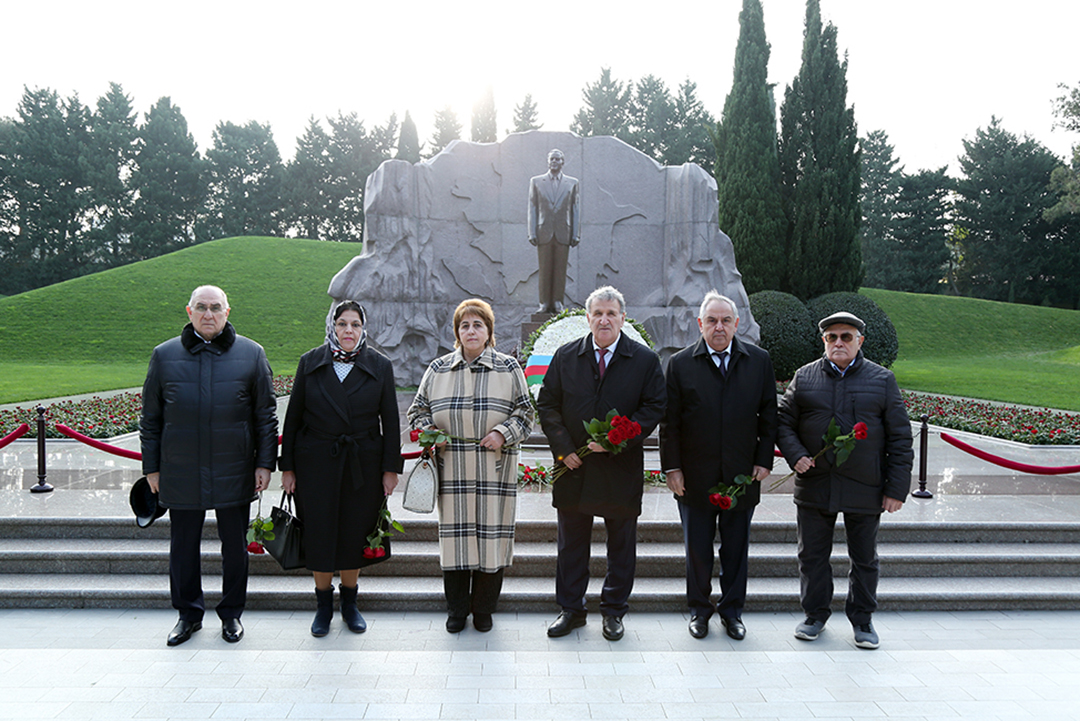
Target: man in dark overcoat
x,y
209,440
845,386
720,423
586,379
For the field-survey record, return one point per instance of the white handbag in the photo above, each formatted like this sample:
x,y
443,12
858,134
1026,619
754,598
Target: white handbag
x,y
422,484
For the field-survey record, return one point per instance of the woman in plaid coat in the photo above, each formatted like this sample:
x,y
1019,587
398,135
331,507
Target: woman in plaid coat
x,y
479,396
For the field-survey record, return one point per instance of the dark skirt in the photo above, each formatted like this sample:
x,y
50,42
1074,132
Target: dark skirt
x,y
338,515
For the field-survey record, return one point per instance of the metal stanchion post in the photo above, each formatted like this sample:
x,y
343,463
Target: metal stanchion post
x,y
42,486
924,433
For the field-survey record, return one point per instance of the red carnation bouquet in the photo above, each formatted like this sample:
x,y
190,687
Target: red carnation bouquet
x,y
724,496
612,434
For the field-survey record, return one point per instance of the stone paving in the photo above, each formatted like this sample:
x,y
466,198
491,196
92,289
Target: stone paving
x,y
103,664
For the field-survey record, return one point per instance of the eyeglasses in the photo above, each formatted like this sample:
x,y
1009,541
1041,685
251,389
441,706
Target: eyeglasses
x,y
831,338
201,308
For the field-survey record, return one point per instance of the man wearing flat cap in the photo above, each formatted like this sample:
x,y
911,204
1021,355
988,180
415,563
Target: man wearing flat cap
x,y
845,386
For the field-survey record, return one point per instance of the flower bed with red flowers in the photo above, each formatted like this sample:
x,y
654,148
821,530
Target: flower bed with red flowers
x,y
95,417
1035,426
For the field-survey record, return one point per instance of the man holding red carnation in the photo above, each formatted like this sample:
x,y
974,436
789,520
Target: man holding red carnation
x,y
720,424
587,379
856,393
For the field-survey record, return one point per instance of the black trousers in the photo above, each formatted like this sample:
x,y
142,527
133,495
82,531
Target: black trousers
x,y
700,527
572,566
471,592
185,561
815,571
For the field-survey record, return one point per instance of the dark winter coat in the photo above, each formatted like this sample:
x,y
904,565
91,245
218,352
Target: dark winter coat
x,y
209,419
879,465
719,427
608,485
339,439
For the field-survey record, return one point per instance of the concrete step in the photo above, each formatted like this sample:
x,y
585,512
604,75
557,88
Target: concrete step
x,y
426,529
396,593
421,558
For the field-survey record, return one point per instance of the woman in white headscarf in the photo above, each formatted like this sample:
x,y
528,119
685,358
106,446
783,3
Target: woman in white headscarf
x,y
341,455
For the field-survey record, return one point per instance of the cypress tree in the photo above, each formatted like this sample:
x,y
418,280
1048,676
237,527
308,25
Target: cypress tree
x,y
408,141
819,169
747,166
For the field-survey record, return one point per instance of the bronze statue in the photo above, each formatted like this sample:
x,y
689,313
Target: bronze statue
x,y
554,228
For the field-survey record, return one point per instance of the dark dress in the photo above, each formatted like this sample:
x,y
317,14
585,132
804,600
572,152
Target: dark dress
x,y
339,439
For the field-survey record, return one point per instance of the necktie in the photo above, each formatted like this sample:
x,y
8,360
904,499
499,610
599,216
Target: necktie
x,y
602,364
720,363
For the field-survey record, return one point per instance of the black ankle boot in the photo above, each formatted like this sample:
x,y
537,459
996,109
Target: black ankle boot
x,y
324,613
350,614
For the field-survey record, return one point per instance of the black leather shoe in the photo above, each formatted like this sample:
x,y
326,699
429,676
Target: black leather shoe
x,y
565,623
182,631
482,622
232,630
735,628
699,626
455,624
613,628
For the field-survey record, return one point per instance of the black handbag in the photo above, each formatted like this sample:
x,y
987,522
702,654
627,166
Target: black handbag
x,y
287,546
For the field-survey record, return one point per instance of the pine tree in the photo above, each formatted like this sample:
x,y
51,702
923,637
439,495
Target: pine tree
x,y
168,181
526,116
878,198
245,174
447,128
354,155
109,163
1011,251
651,118
484,127
819,169
408,141
747,168
607,108
691,141
920,233
307,186
48,192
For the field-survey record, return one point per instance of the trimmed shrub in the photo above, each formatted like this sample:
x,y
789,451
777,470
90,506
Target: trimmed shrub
x,y
787,331
881,344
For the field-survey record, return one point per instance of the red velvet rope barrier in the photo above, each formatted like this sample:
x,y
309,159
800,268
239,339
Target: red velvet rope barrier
x,y
14,435
1006,463
115,450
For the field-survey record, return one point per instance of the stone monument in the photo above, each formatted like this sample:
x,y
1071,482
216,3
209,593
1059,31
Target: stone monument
x,y
453,227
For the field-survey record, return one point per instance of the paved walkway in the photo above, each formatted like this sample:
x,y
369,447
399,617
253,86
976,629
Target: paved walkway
x,y
101,664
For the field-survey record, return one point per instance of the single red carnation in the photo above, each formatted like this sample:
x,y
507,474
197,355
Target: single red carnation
x,y
414,435
859,430
255,547
715,499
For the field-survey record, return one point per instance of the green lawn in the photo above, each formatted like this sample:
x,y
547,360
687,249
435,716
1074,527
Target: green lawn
x,y
96,333
984,349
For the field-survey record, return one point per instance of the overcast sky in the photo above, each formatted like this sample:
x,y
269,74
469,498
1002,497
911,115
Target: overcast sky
x,y
928,72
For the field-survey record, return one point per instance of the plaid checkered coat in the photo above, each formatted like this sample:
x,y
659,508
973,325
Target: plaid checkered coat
x,y
478,487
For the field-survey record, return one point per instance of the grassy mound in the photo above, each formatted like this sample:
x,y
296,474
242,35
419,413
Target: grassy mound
x,y
985,349
96,332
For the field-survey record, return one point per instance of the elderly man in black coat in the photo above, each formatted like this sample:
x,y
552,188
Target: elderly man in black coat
x,y
876,477
720,423
586,379
209,440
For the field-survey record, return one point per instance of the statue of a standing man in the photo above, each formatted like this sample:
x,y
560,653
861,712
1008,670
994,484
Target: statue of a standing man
x,y
554,228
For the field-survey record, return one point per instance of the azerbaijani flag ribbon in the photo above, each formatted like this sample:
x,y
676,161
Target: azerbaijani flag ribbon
x,y
535,368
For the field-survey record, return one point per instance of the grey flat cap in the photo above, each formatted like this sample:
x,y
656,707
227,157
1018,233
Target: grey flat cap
x,y
841,317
